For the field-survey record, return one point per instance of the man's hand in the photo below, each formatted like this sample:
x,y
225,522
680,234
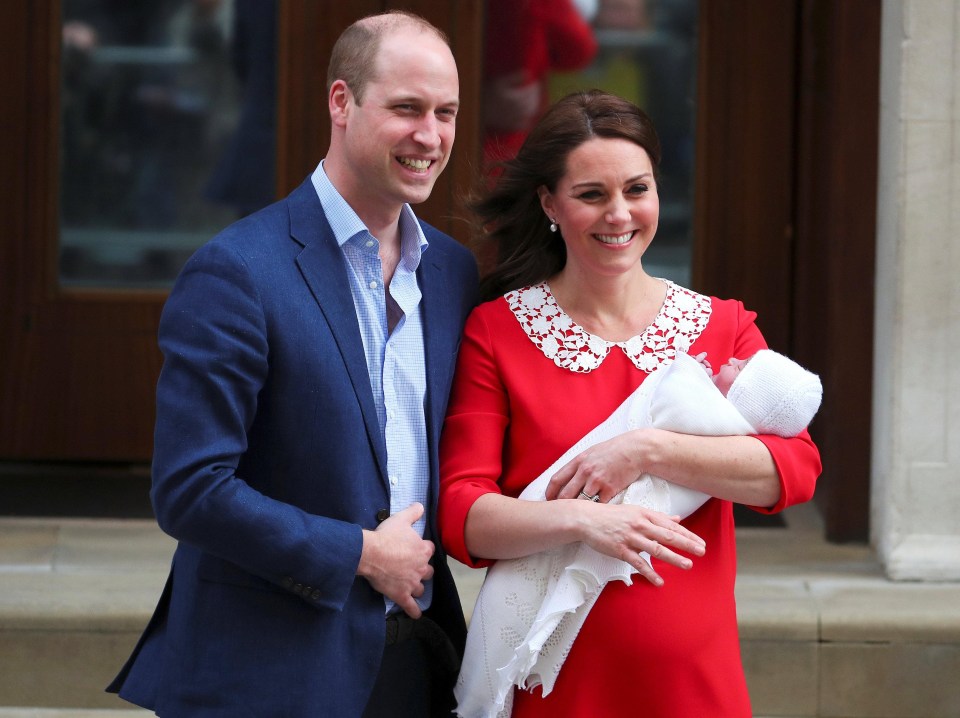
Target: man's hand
x,y
396,561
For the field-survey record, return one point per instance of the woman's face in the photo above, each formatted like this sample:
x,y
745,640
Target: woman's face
x,y
607,206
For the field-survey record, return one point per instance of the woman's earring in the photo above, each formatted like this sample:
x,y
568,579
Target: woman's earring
x,y
553,225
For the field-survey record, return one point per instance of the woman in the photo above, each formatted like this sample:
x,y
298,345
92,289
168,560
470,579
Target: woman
x,y
578,327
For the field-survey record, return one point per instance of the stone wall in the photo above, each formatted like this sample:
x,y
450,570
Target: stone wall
x,y
915,505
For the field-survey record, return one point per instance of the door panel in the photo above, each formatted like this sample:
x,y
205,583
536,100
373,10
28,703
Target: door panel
x,y
81,379
745,180
78,375
836,246
786,206
77,372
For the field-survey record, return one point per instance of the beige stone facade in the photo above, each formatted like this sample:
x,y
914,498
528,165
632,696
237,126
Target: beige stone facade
x,y
915,511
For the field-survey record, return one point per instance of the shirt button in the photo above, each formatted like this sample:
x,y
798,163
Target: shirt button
x,y
369,242
390,414
373,285
394,481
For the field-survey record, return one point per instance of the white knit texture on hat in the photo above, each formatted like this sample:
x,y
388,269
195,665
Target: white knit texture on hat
x,y
775,394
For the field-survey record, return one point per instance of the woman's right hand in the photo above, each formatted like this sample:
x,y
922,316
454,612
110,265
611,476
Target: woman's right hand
x,y
501,527
624,531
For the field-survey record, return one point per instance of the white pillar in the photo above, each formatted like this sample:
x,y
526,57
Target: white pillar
x,y
915,498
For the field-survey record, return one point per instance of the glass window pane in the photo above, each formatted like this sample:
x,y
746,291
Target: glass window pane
x,y
645,50
167,132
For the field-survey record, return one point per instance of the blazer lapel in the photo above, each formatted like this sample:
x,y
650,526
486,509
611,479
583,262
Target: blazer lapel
x,y
436,340
321,264
439,320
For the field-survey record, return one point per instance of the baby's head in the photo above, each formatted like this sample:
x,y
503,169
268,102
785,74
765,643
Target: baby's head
x,y
774,393
728,373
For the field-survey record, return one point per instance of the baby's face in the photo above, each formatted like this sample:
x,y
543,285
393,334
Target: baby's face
x,y
728,373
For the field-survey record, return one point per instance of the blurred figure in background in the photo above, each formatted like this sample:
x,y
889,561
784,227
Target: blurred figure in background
x,y
526,40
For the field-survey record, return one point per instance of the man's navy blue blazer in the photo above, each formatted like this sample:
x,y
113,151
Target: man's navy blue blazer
x,y
268,462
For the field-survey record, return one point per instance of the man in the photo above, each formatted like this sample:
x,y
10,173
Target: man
x,y
309,350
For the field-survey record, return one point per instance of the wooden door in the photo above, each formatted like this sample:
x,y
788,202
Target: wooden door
x,y
786,208
835,256
78,367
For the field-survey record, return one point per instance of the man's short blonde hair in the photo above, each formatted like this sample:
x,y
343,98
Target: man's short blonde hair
x,y
354,55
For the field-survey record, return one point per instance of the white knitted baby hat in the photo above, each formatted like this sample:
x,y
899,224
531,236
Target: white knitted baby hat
x,y
775,394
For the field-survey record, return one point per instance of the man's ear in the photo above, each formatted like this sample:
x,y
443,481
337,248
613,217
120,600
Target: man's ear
x,y
339,100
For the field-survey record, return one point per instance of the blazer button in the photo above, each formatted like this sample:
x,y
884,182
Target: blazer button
x,y
298,589
383,515
315,596
287,582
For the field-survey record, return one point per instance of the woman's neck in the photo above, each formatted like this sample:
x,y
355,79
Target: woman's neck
x,y
613,308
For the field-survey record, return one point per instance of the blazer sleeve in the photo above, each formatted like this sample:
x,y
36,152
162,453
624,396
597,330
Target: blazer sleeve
x,y
213,336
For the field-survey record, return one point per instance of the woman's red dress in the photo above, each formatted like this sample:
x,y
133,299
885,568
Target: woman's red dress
x,y
518,402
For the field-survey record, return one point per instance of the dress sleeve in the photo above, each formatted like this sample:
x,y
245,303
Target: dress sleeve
x,y
797,459
471,446
798,464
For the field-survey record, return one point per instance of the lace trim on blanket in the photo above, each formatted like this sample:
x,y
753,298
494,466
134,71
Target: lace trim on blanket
x,y
682,318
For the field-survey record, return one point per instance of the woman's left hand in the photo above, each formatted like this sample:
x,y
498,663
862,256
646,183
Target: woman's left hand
x,y
603,470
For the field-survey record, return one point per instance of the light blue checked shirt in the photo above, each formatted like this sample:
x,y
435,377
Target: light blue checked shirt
x,y
395,360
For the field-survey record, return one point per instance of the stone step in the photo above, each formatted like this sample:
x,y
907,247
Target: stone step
x,y
74,597
823,633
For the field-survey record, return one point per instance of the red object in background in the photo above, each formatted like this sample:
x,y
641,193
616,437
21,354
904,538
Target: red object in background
x,y
525,41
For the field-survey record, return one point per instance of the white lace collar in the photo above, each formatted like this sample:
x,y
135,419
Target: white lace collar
x,y
682,318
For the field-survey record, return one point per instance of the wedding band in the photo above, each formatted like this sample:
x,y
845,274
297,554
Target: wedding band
x,y
589,498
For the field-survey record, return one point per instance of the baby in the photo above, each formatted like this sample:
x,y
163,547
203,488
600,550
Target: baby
x,y
530,609
777,395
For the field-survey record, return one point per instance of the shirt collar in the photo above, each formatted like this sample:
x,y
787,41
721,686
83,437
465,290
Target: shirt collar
x,y
345,223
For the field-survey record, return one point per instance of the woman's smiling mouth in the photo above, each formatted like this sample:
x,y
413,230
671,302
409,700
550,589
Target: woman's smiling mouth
x,y
615,238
